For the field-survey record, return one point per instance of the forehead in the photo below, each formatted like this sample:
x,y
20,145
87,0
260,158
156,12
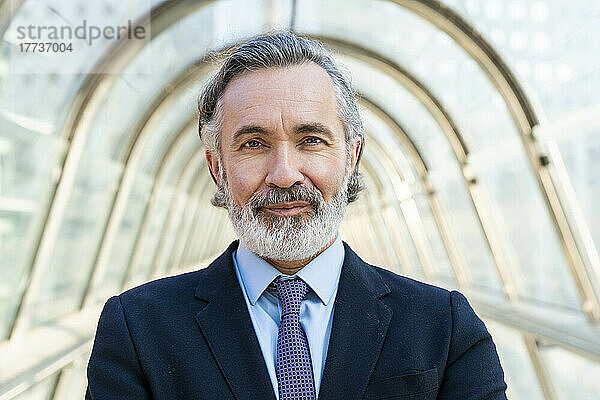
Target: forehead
x,y
299,92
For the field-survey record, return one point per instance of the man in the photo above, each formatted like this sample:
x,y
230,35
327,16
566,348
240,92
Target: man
x,y
289,311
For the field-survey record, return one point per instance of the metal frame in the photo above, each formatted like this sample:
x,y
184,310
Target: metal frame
x,y
168,153
416,228
162,252
163,160
199,183
448,239
539,367
8,10
572,232
130,156
189,254
385,248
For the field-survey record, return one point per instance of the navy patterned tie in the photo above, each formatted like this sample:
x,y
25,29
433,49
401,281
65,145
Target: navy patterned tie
x,y
294,367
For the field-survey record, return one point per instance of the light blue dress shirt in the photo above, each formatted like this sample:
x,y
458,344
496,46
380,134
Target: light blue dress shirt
x,y
322,275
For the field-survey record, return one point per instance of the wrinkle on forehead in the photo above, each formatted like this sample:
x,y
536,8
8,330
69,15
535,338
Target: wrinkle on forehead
x,y
280,97
286,84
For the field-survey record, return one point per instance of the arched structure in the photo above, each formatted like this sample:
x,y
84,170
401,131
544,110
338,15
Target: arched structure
x,y
434,210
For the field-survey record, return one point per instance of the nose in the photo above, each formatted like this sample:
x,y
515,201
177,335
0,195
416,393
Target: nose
x,y
283,169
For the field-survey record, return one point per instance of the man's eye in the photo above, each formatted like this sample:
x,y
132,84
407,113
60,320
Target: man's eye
x,y
252,144
312,140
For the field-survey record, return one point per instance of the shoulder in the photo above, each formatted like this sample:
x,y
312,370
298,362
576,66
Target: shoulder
x,y
169,292
427,300
183,293
165,285
403,284
411,291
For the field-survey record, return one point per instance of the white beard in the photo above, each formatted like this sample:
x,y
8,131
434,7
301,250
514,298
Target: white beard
x,y
288,237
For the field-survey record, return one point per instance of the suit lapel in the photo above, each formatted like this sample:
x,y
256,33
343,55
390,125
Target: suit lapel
x,y
228,330
360,323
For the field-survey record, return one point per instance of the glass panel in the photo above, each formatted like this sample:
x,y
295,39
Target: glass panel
x,y
474,103
42,390
178,113
73,382
580,148
55,75
226,235
209,27
374,200
455,201
347,233
404,108
414,43
450,189
169,236
27,162
573,377
183,232
85,217
149,242
122,247
522,221
362,224
391,210
404,241
441,262
180,155
118,112
201,202
548,45
519,373
204,215
207,215
216,236
421,127
191,182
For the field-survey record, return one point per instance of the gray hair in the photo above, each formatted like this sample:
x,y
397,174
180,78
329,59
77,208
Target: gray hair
x,y
278,50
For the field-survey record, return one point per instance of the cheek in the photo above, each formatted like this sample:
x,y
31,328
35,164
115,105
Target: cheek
x,y
243,184
328,176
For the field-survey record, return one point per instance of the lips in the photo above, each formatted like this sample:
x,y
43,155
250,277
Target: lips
x,y
287,208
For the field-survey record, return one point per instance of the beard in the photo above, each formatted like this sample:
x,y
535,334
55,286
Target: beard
x,y
289,238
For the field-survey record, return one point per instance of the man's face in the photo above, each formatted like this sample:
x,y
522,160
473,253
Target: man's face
x,y
284,155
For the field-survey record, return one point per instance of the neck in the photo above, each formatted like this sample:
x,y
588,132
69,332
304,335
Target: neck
x,y
291,267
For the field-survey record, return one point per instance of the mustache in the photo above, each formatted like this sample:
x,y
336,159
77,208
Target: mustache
x,y
297,192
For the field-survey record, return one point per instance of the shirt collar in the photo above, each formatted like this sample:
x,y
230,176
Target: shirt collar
x,y
321,274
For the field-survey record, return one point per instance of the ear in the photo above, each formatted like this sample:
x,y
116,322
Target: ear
x,y
213,163
355,153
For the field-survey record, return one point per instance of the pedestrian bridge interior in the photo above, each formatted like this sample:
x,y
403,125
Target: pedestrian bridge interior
x,y
481,166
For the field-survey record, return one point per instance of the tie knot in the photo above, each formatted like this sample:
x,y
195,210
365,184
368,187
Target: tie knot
x,y
290,293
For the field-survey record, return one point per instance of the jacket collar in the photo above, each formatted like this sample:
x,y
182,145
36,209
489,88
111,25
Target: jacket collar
x,y
360,323
228,330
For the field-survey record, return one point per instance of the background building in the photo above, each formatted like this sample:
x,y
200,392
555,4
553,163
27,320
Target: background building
x,y
482,165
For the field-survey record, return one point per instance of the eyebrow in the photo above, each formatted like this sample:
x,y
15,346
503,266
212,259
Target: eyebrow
x,y
311,127
314,127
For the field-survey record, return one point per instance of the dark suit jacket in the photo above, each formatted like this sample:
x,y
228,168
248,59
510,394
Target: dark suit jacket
x,y
190,337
